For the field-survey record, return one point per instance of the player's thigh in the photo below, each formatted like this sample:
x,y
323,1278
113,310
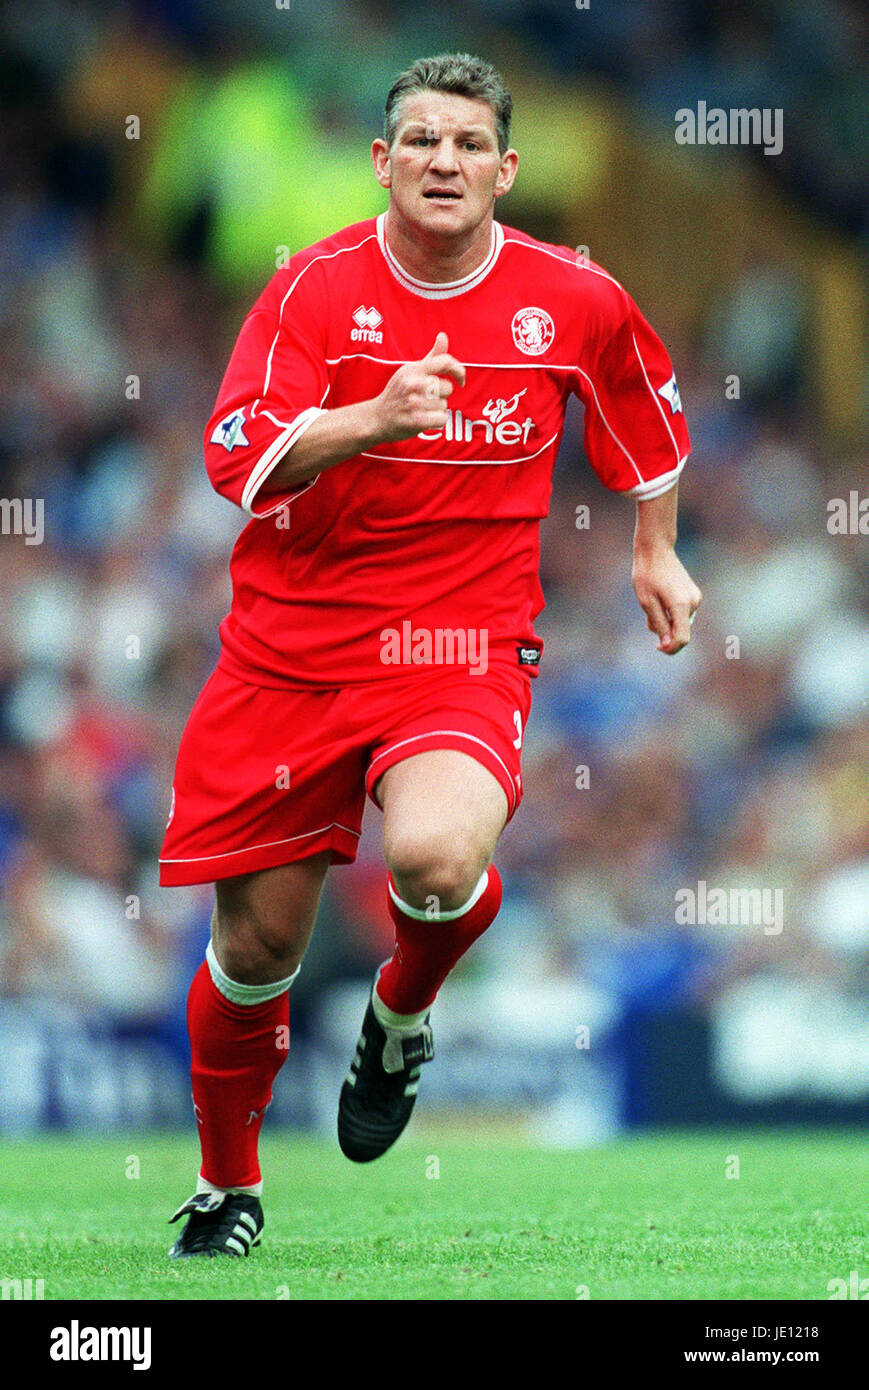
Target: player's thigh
x,y
263,921
442,815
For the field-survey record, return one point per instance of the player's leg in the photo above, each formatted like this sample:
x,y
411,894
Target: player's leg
x,y
263,921
267,792
238,1019
443,813
446,773
238,1011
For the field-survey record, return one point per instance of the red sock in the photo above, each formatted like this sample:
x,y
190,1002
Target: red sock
x,y
237,1051
426,950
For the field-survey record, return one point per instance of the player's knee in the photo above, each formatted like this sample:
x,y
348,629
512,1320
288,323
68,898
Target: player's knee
x,y
434,867
253,948
255,957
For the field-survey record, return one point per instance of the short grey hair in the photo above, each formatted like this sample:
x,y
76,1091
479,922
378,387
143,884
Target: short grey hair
x,y
460,74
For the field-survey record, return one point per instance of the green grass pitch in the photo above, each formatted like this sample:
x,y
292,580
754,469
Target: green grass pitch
x,y
653,1217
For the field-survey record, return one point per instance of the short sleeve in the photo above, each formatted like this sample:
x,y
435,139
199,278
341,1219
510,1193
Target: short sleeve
x,y
636,438
272,391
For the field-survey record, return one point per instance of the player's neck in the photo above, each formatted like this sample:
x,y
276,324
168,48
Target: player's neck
x,y
434,259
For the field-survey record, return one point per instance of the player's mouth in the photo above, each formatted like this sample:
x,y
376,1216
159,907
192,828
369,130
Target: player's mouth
x,y
442,195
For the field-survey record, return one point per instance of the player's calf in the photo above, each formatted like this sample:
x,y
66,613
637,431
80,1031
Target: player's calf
x,y
378,1097
443,813
238,1018
430,940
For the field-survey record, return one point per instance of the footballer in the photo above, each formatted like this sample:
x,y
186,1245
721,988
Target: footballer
x,y
389,419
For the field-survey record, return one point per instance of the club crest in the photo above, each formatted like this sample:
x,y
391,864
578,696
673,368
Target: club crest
x,y
533,331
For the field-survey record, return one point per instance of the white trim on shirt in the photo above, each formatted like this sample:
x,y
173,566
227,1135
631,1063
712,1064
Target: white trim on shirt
x,y
655,486
272,456
447,289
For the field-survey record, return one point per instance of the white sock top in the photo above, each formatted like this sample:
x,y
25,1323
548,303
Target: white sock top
x,y
423,914
244,994
203,1185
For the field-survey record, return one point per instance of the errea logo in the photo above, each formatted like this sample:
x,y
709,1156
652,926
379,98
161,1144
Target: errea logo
x,y
367,322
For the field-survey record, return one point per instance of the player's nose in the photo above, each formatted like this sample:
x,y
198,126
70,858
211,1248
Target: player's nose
x,y
445,159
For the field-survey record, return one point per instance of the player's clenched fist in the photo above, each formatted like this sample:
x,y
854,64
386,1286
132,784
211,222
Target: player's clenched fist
x,y
415,397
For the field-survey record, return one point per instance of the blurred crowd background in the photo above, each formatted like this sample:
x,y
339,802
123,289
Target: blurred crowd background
x,y
155,159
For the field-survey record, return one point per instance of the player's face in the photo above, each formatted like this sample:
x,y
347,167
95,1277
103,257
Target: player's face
x,y
444,170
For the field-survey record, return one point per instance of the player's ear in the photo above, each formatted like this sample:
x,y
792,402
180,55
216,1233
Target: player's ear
x,y
380,160
507,173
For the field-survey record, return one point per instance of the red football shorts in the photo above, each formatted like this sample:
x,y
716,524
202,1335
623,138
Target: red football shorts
x,y
267,776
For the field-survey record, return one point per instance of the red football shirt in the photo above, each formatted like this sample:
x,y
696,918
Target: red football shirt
x,y
438,533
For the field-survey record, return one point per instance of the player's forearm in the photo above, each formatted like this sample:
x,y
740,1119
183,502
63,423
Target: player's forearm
x,y
666,592
655,528
334,436
414,399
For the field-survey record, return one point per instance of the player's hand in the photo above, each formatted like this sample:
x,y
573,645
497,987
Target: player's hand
x,y
415,397
667,595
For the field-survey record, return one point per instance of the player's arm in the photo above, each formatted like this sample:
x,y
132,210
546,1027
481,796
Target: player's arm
x,y
414,399
637,441
665,590
274,390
